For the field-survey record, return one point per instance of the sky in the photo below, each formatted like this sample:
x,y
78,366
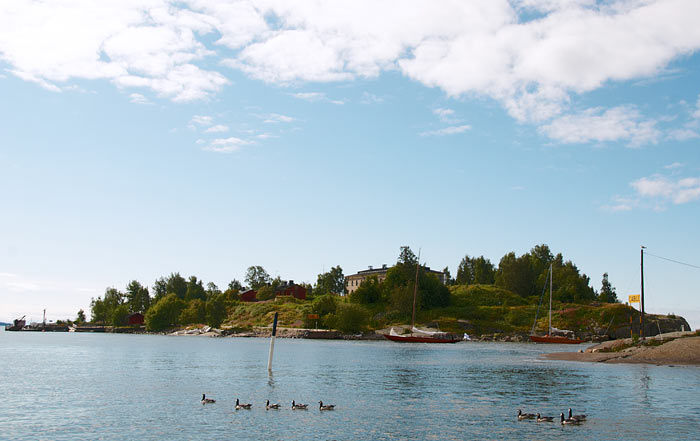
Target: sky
x,y
141,138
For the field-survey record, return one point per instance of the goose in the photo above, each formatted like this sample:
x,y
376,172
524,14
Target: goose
x,y
299,406
206,400
326,407
525,416
242,406
269,406
568,420
576,417
544,419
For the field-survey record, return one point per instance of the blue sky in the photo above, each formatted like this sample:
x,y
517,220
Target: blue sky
x,y
147,137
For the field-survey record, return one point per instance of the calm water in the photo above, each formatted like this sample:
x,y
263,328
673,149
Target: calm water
x,y
117,387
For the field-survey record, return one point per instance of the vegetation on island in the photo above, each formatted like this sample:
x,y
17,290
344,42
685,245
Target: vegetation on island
x,y
482,298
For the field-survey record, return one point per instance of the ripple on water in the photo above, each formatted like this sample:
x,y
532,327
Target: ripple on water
x,y
114,387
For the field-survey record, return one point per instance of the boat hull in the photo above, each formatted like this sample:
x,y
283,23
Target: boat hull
x,y
554,339
414,339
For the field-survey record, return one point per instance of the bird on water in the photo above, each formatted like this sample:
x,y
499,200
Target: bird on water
x,y
269,406
206,400
525,416
298,406
321,406
240,405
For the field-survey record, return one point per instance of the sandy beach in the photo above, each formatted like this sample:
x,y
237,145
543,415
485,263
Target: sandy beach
x,y
680,350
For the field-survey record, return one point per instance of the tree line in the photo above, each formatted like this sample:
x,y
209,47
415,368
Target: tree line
x,y
174,301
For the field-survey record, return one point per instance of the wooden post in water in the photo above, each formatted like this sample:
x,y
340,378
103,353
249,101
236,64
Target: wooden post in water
x,y
272,344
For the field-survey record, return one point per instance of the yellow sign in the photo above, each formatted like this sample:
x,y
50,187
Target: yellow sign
x,y
312,316
634,298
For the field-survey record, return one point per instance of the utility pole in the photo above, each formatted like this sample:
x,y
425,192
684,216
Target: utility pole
x,y
641,300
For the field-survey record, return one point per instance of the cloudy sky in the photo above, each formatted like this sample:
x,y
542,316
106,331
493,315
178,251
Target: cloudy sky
x,y
143,137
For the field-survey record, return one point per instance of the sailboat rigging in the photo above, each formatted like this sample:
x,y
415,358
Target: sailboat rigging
x,y
427,337
549,338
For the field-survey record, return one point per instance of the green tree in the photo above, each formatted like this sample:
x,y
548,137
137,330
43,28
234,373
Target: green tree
x,y
515,274
119,315
160,289
266,292
81,316
332,281
176,284
212,290
164,313
406,256
216,310
98,311
448,277
195,289
256,277
607,291
465,272
235,285
194,312
350,318
484,273
137,297
370,291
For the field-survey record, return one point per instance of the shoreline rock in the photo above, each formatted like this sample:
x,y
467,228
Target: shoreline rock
x,y
678,348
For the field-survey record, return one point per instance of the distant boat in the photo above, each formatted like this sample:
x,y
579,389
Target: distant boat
x,y
549,338
423,336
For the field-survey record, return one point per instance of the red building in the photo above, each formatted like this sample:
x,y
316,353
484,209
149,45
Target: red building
x,y
291,289
135,319
248,296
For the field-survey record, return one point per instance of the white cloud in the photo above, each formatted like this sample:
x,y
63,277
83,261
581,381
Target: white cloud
x,y
445,115
674,165
137,98
226,145
310,96
452,130
622,123
680,191
132,43
277,118
532,63
696,113
200,121
217,129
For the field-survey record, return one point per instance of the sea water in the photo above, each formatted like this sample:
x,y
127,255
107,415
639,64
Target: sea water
x,y
69,386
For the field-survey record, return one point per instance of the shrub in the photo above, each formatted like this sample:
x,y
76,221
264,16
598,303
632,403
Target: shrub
x,y
350,318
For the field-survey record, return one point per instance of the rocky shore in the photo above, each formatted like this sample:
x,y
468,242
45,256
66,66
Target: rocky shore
x,y
677,348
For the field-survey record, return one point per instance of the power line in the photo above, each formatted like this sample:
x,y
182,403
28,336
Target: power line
x,y
671,260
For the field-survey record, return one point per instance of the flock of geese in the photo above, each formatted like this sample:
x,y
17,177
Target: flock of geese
x,y
572,419
271,406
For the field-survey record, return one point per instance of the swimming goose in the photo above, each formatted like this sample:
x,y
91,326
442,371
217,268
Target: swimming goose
x,y
568,420
525,416
206,400
544,419
242,406
269,406
326,407
299,406
576,417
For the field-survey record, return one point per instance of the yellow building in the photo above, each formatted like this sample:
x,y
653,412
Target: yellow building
x,y
354,281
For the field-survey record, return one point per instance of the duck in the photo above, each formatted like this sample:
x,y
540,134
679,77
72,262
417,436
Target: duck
x,y
544,419
578,418
568,420
321,406
206,400
242,406
299,406
269,406
525,416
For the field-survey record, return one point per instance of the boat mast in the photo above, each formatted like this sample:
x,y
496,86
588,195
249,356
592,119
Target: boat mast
x,y
415,291
550,299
